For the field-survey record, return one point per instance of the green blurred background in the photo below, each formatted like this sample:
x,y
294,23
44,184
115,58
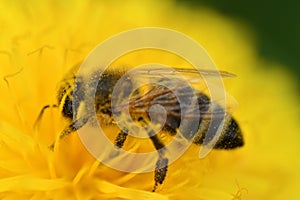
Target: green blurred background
x,y
275,23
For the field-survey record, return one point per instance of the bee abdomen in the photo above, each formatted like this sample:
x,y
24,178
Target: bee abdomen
x,y
230,137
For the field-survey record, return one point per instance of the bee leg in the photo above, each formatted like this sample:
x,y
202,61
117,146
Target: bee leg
x,y
161,167
160,172
76,125
120,139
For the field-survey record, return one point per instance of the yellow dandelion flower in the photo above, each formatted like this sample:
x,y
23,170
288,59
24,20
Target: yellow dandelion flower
x,y
41,40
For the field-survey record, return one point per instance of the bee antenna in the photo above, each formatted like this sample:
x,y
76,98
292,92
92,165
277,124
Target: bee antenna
x,y
38,120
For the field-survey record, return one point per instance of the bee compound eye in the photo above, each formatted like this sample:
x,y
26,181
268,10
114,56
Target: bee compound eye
x,y
67,109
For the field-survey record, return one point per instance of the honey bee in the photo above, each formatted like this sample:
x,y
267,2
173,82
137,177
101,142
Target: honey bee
x,y
139,104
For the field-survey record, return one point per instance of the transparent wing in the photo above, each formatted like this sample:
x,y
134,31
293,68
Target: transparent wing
x,y
193,75
199,79
165,86
168,98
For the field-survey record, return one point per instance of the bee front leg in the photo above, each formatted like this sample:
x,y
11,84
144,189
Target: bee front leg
x,y
76,125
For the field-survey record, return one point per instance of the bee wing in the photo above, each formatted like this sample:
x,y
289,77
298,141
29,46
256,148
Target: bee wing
x,y
140,103
172,71
193,75
170,84
203,80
